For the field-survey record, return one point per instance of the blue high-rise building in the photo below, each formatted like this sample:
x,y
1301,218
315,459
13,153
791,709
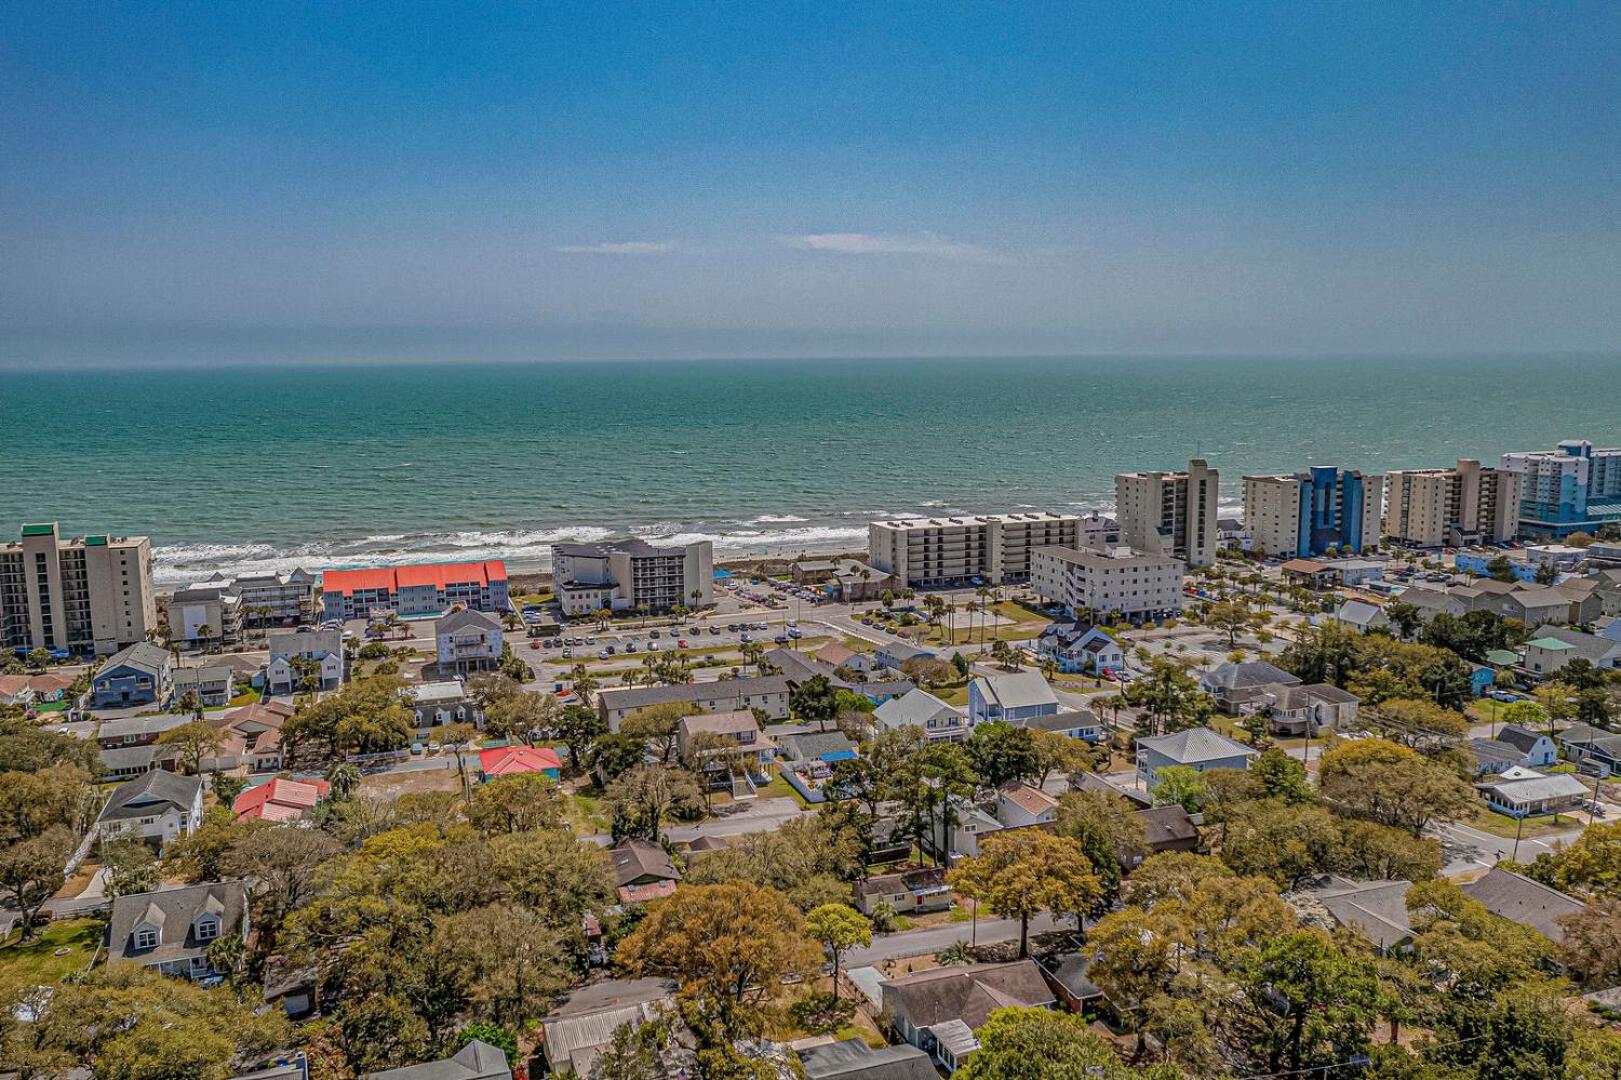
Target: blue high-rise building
x,y
1295,515
1571,488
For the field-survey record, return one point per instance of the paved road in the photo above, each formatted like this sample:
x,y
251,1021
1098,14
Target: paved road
x,y
925,942
1466,848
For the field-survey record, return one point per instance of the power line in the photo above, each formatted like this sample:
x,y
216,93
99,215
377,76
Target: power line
x,y
1356,1061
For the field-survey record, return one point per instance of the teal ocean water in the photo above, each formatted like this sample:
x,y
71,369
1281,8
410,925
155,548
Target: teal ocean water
x,y
248,468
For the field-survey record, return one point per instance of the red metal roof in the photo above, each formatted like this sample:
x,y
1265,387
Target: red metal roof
x,y
280,800
394,578
511,760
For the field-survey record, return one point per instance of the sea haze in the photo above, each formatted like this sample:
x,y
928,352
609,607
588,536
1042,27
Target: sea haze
x,y
261,468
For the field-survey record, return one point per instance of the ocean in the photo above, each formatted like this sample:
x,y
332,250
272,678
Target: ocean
x,y
244,469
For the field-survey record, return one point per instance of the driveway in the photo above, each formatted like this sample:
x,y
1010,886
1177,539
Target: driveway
x,y
934,939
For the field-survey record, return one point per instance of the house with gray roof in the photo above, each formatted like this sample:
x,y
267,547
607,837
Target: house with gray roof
x,y
159,807
172,929
853,1059
937,1011
478,1060
798,668
1521,792
1555,646
1198,748
1295,709
1586,744
1362,616
1530,903
313,654
140,674
1080,724
467,640
1375,909
768,693
577,1031
1232,682
920,709
1010,697
213,684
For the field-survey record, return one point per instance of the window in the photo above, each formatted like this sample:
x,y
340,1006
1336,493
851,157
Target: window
x,y
146,938
208,929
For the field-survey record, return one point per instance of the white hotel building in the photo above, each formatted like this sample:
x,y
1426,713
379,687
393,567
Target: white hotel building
x,y
1090,584
941,552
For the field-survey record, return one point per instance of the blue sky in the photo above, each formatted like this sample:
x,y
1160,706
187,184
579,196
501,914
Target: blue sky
x,y
811,179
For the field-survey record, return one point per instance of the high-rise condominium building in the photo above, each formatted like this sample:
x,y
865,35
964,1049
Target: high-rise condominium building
x,y
631,575
1170,513
90,594
947,551
1462,505
1297,515
1571,488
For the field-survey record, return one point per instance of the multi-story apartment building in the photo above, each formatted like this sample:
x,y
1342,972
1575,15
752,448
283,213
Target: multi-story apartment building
x,y
1090,584
276,599
1462,505
1298,515
425,589
90,594
1571,488
1098,531
223,607
1170,513
630,575
947,551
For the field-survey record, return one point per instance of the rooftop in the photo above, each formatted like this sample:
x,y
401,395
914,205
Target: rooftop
x,y
394,578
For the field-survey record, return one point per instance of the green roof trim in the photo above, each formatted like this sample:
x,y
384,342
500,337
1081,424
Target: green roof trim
x,y
38,530
95,541
1552,644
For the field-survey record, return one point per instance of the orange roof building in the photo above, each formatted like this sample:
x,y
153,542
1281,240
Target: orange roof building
x,y
514,760
425,589
280,800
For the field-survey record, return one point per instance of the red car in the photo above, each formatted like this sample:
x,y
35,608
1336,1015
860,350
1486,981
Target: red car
x,y
682,644
534,644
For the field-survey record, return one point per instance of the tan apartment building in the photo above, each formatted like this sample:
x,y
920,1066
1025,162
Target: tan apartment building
x,y
1462,505
1089,583
948,551
1170,513
90,594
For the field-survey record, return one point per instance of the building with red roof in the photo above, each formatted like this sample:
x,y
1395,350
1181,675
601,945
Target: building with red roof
x,y
425,589
515,760
280,800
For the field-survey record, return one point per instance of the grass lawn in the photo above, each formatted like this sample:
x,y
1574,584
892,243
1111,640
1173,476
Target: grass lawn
x,y
38,961
955,695
782,789
1500,825
51,707
586,813
247,697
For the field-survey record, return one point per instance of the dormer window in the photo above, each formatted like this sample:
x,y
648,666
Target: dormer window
x,y
207,929
146,937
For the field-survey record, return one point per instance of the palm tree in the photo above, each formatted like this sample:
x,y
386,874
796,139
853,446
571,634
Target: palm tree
x,y
204,632
584,683
344,778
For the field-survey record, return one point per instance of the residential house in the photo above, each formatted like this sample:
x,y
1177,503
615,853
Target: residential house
x,y
575,1034
159,807
1518,899
847,580
1586,605
128,762
15,690
517,760
1021,805
1069,975
1377,910
1081,647
968,826
895,653
1295,710
280,800
1608,591
50,687
816,748
753,749
1586,745
920,709
1521,792
129,744
468,640
938,1010
1011,697
1198,748
853,1059
1514,746
907,892
1091,781
1554,647
214,684
1362,616
1233,534
768,693
252,737
426,589
643,871
1076,723
172,930
316,655
444,702
140,674
1233,683
798,668
890,841
478,1060
1166,828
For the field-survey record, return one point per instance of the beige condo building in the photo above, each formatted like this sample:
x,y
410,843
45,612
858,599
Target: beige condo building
x,y
946,551
89,594
1466,504
1170,513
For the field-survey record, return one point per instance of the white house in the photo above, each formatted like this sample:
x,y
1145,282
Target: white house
x,y
919,708
321,650
1081,647
158,806
1020,806
172,930
468,640
1019,695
